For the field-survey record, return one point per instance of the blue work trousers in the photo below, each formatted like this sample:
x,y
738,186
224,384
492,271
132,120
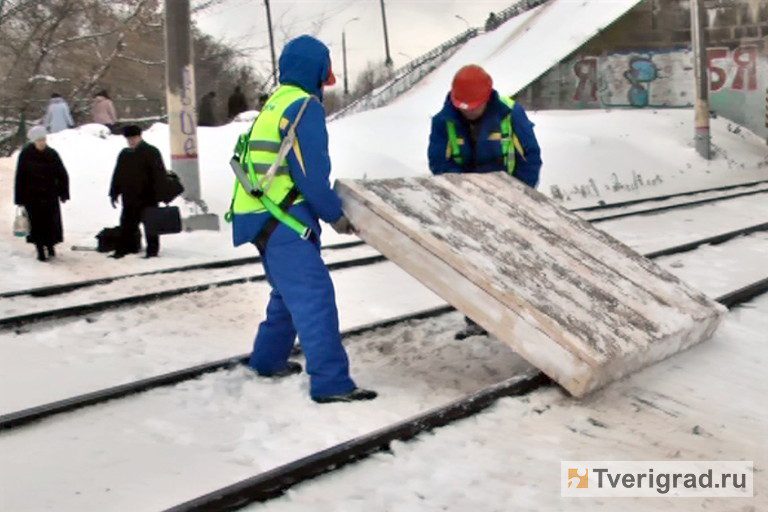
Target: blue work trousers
x,y
302,302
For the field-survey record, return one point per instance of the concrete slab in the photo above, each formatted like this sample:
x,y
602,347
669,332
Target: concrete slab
x,y
576,303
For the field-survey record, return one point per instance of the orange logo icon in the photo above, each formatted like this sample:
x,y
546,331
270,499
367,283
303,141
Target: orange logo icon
x,y
578,478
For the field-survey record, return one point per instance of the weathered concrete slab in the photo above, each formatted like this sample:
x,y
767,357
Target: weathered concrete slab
x,y
573,301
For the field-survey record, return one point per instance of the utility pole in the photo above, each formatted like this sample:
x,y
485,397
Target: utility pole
x,y
344,59
271,43
702,136
344,53
180,95
388,61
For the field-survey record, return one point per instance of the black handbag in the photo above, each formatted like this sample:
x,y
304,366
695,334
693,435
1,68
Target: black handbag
x,y
161,220
170,188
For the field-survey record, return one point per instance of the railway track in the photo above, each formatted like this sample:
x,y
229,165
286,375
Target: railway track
x,y
79,310
591,213
272,483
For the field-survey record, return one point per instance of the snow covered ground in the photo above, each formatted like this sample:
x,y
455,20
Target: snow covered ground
x,y
703,404
156,449
152,450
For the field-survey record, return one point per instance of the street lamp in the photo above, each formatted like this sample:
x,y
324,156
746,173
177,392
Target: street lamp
x,y
388,61
271,42
465,21
344,52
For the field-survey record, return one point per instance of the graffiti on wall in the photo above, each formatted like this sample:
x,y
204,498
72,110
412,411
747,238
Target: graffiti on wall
x,y
633,80
660,79
641,73
736,69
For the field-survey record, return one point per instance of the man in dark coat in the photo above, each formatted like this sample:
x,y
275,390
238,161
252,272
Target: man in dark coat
x,y
205,116
236,103
41,182
138,175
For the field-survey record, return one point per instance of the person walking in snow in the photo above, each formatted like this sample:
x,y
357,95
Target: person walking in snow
x,y
138,176
57,115
41,183
103,110
479,130
302,299
206,115
236,103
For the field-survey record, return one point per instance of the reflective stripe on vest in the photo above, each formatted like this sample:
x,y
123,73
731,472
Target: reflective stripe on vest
x,y
263,145
508,141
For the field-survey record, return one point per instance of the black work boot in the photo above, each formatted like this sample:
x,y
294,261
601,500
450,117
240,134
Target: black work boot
x,y
353,396
472,329
292,368
51,251
40,252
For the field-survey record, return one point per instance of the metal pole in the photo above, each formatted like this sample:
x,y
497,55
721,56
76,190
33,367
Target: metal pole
x,y
699,45
271,43
388,61
180,95
344,59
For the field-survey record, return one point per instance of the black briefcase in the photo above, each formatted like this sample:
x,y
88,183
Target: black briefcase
x,y
108,240
161,220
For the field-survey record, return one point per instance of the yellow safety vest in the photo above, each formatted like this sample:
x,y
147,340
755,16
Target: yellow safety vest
x,y
509,141
263,146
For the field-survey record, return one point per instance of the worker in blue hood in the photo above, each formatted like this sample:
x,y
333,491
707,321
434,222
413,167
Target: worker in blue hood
x,y
302,301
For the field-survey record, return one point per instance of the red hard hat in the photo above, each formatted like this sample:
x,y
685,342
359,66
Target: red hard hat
x,y
471,88
331,78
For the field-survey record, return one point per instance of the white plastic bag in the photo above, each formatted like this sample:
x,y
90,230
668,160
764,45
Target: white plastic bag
x,y
21,222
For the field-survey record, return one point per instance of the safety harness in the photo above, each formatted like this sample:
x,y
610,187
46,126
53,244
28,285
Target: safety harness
x,y
259,187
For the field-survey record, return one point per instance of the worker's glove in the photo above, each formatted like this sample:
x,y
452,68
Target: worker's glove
x,y
343,226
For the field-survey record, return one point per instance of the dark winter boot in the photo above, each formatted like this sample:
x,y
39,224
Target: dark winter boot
x,y
51,251
292,368
472,329
353,396
40,253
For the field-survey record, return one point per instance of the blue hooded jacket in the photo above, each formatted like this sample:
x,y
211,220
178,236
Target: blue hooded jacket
x,y
486,155
305,62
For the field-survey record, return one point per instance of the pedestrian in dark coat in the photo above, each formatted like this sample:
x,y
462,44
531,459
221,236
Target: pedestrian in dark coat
x,y
41,182
139,173
236,103
206,117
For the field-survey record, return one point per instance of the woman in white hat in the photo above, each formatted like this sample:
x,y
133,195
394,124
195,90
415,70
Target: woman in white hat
x,y
41,183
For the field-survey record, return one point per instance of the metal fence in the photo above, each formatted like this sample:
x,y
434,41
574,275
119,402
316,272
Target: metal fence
x,y
406,76
517,8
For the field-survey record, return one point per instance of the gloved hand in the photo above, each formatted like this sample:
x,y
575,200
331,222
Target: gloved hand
x,y
343,226
112,201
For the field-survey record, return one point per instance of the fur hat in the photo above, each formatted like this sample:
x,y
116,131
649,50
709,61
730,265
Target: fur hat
x,y
131,130
36,133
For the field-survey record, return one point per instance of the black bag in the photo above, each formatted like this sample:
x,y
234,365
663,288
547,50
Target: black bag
x,y
161,220
108,240
170,188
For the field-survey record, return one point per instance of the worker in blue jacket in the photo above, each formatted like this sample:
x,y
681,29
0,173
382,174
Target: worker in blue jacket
x,y
478,130
302,300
